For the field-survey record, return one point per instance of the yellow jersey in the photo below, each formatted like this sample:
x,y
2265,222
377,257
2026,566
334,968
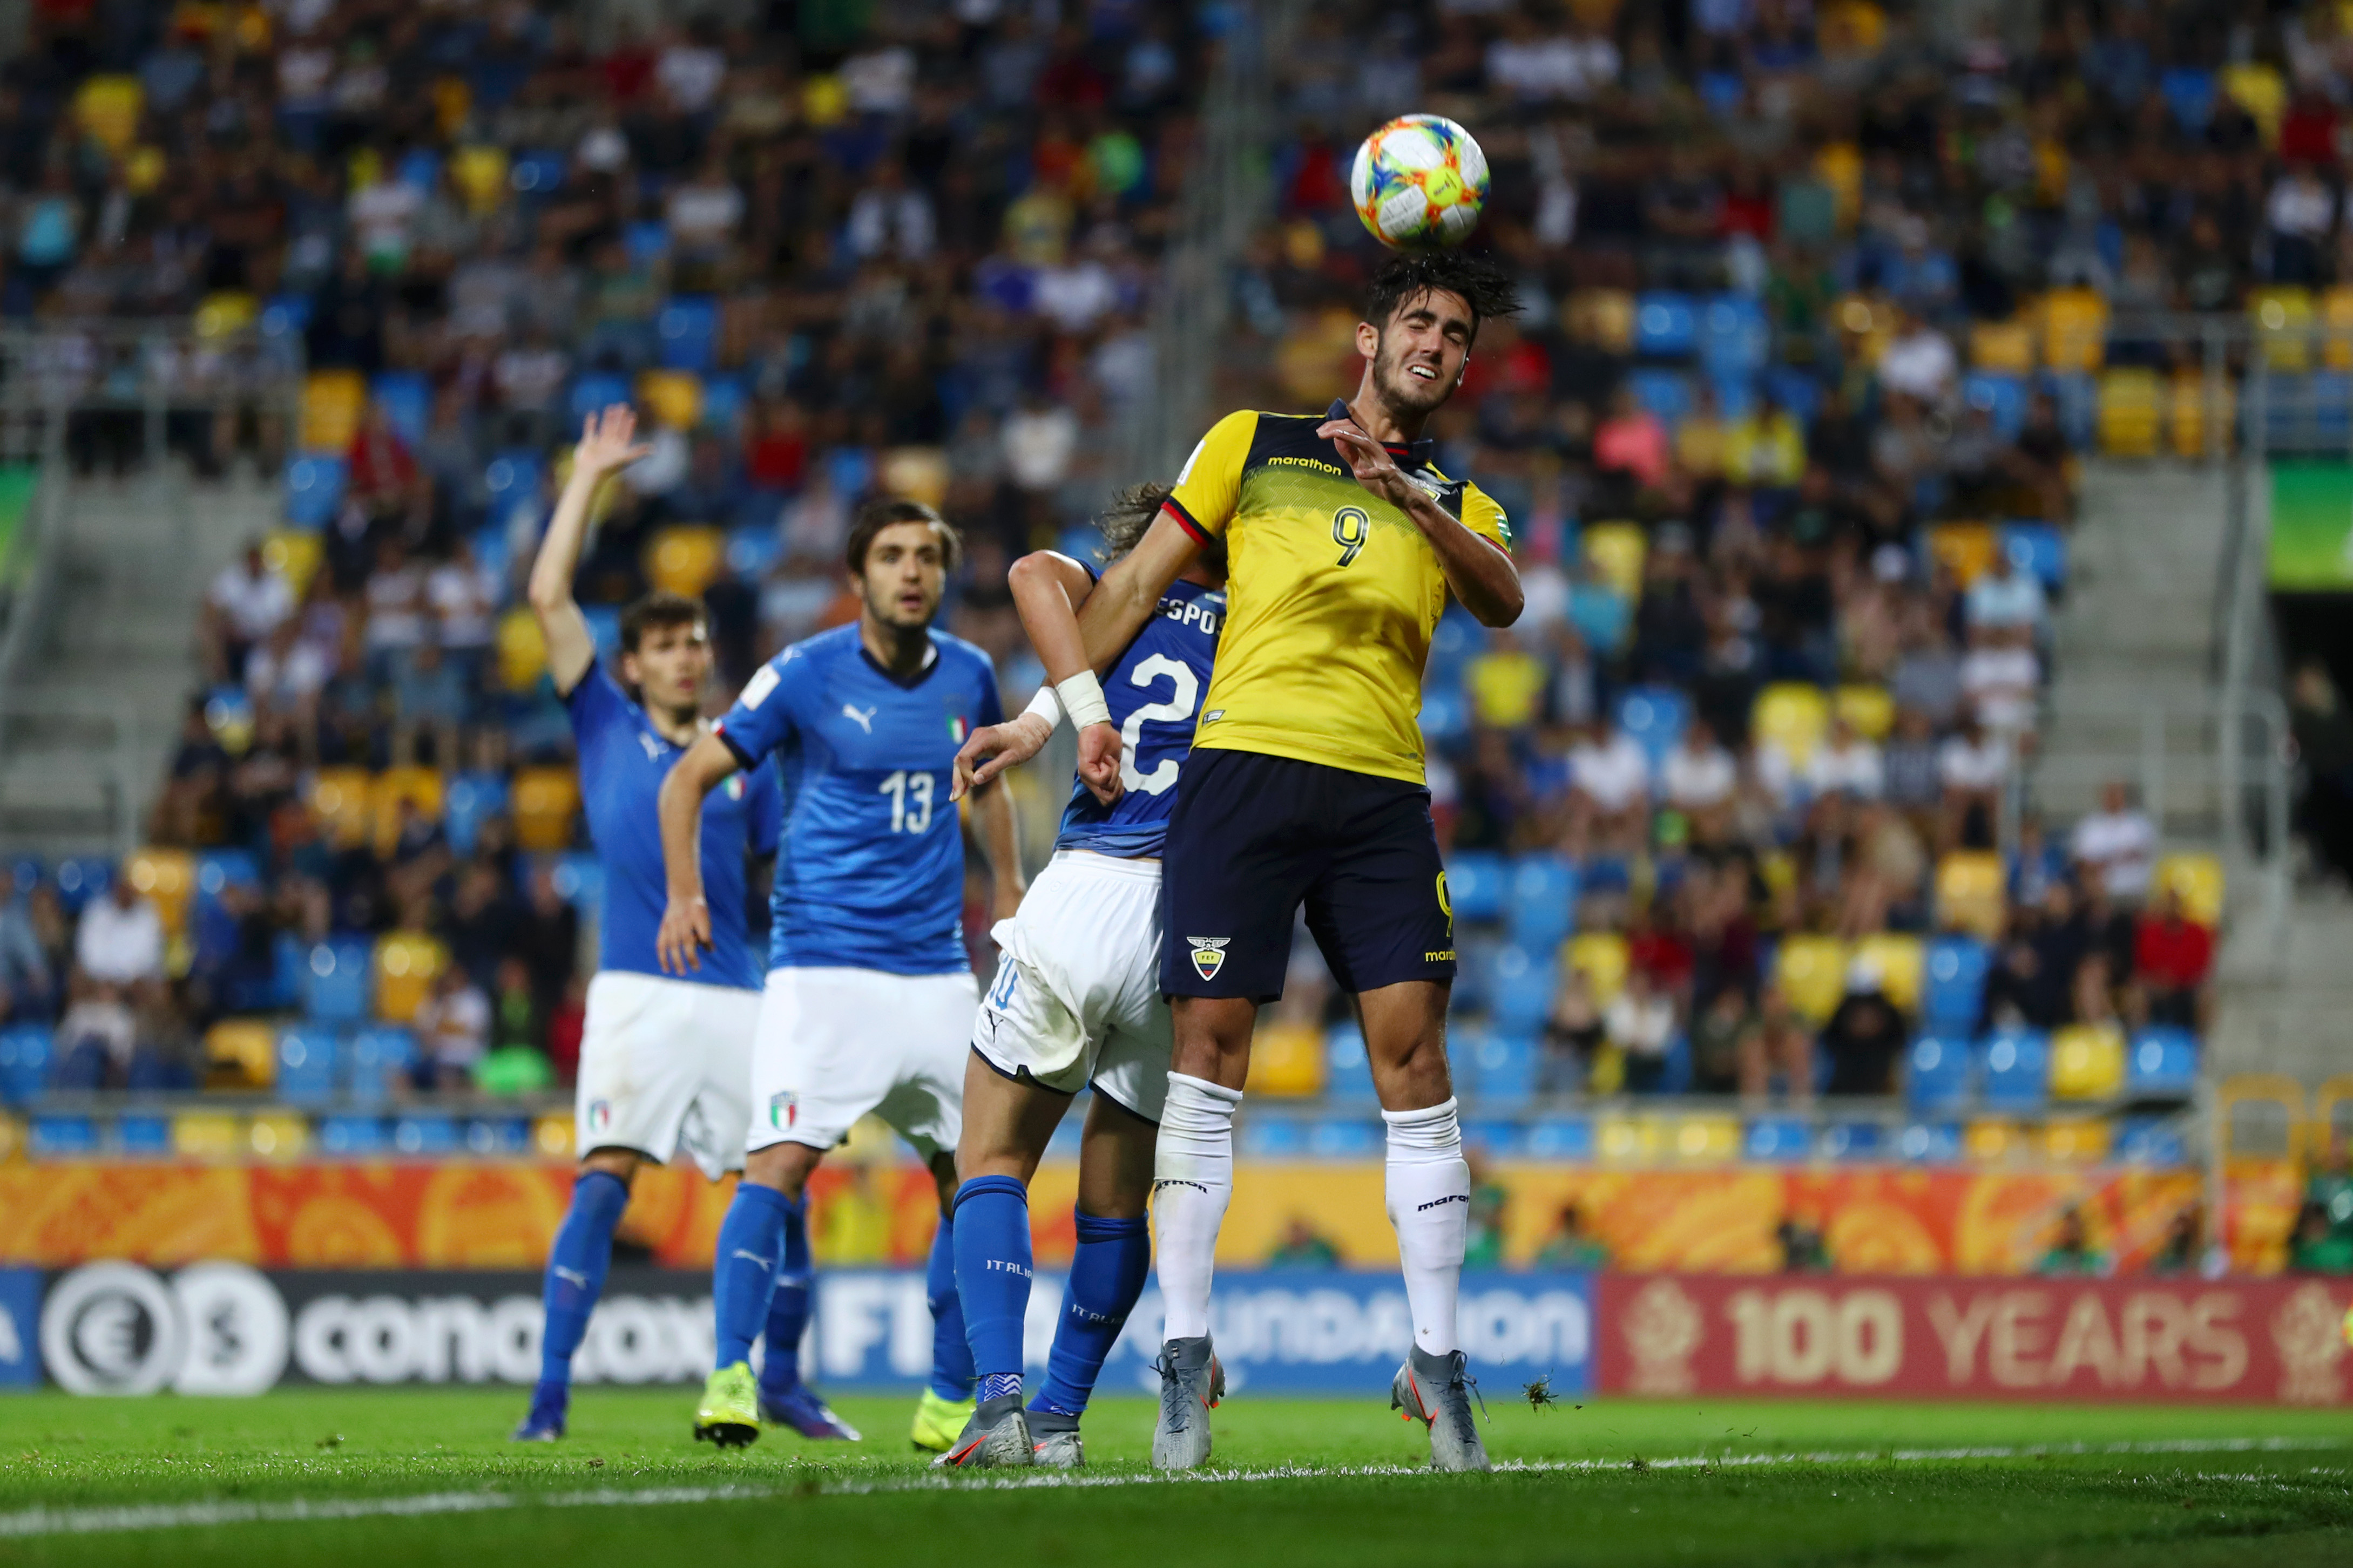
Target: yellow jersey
x,y
1331,594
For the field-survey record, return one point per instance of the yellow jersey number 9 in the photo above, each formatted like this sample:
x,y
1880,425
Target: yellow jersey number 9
x,y
1351,526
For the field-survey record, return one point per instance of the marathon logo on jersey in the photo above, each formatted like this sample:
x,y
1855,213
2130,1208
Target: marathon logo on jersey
x,y
1209,954
783,1106
600,1115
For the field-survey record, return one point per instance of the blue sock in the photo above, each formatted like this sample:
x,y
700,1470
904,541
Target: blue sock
x,y
951,1357
1107,1275
992,1276
743,1270
789,1308
575,1268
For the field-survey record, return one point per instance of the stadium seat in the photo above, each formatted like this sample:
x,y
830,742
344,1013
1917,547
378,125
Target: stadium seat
x,y
2190,92
2147,1141
240,1054
1811,972
1602,956
1503,1068
1523,987
2197,407
1854,1140
522,650
143,1137
1869,710
406,964
2161,1064
336,981
1271,1137
2197,879
294,558
1990,1139
672,398
1286,1061
1734,338
2131,414
208,1135
1953,981
1793,716
1629,1139
2335,313
1445,716
381,1058
1899,958
1929,1143
62,1137
306,1065
578,877
1540,910
1664,392
80,879
2016,1070
2077,1140
510,480
1475,971
278,1135
2281,318
595,391
314,489
1707,1138
1999,350
1454,642
332,402
2088,1062
1865,326
2075,330
688,329
1937,1073
1970,893
1615,551
1665,326
427,1135
723,403
1656,717
507,1137
2077,396
1771,1138
1346,1138
351,1137
407,401
480,173
2039,550
754,550
166,878
1609,313
1494,1138
1475,883
604,628
25,1053
1560,1138
470,800
685,560
340,799
420,787
545,802
1964,549
537,172
1348,1074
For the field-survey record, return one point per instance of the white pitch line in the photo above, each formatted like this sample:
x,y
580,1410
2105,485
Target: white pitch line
x,y
183,1516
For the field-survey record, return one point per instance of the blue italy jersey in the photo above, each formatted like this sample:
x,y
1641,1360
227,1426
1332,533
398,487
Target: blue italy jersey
x,y
870,874
1154,692
623,760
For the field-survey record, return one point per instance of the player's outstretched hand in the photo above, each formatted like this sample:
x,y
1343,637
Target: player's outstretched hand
x,y
685,933
1100,752
993,748
1368,460
606,442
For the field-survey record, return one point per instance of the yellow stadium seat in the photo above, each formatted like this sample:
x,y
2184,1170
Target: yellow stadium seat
x,y
2132,402
551,1136
2282,319
1964,549
406,964
1609,314
2078,1139
240,1053
1970,893
2187,414
685,560
1287,1060
1898,955
1868,325
1869,710
165,878
2337,320
523,650
1628,1139
1811,972
1839,164
2003,346
108,108
1615,551
278,1135
2197,879
1989,1140
293,558
419,787
225,313
2260,90
546,801
2087,1061
917,473
1793,716
339,797
674,398
480,176
207,1135
1705,1139
1602,955
333,402
2074,329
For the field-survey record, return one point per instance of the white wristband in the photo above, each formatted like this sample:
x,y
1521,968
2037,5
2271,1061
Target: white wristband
x,y
1083,699
1046,706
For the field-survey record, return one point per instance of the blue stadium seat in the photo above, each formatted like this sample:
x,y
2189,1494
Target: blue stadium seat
x,y
2162,1064
1854,1141
2002,396
1665,325
2038,549
604,628
314,489
306,1065
1348,1076
2016,1070
380,1060
689,326
1736,394
28,872
82,879
508,480
537,172
1503,1068
144,1136
1929,1143
217,869
2148,1141
1523,988
1455,641
1475,880
25,1053
287,316
579,878
1068,1139
2188,92
597,389
290,961
723,402
1722,92
336,982
492,1137
1777,1138
1445,715
63,1137
648,241
470,800
1540,910
1952,987
351,1135
2077,396
1937,1076
1735,339
425,1134
754,549
407,399
2307,411
1346,1137
1264,1136
1665,392
1794,390
1475,971
1560,1138
1655,716
1494,1138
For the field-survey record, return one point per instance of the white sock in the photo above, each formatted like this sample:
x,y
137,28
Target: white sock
x,y
1430,1206
1192,1183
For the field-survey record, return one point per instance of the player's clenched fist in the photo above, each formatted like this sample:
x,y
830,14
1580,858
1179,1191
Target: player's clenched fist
x,y
1100,751
685,933
993,748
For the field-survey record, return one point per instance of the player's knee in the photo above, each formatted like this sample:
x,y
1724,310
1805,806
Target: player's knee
x,y
784,1166
618,1163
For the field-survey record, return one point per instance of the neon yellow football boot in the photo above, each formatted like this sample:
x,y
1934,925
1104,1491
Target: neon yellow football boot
x,y
729,1415
937,1421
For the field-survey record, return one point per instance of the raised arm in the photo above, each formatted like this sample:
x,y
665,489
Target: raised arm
x,y
686,922
1131,590
604,448
1479,572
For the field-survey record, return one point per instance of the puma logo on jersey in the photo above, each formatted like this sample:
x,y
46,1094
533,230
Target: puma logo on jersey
x,y
753,1258
1209,954
572,1276
865,719
652,746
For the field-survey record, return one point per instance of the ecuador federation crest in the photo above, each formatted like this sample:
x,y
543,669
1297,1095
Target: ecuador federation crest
x,y
1209,954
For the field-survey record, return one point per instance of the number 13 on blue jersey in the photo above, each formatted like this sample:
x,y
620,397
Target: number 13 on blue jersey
x,y
910,801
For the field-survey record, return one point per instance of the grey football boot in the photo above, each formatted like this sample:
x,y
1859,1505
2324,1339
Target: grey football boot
x,y
1191,1382
1054,1438
998,1434
1436,1391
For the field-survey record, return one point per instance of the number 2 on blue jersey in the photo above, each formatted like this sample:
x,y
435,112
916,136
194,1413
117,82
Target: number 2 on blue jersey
x,y
1179,706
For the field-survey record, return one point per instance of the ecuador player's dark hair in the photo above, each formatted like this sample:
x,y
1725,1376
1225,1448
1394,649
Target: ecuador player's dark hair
x,y
659,611
1130,513
1473,277
876,515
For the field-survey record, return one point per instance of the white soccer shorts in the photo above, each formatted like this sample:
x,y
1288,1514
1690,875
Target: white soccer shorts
x,y
665,1065
836,1044
1076,999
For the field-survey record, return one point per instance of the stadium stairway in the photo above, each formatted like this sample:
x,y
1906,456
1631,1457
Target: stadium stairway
x,y
2282,995
89,726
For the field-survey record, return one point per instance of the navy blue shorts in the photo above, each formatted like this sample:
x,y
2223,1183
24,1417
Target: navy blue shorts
x,y
1253,838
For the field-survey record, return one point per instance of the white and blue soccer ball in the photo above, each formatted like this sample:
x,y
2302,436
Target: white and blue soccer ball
x,y
1418,183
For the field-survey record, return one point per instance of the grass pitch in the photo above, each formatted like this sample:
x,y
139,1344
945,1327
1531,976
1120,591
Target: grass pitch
x,y
412,1476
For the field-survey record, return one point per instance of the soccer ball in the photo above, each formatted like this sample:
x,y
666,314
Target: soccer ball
x,y
1418,183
